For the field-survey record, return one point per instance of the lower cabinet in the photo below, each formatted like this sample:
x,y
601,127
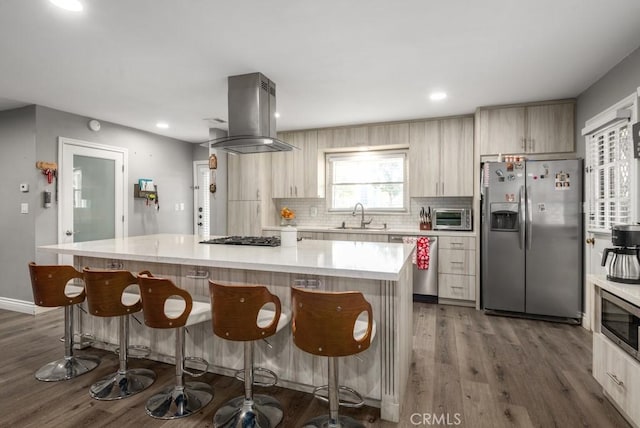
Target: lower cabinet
x,y
457,268
619,376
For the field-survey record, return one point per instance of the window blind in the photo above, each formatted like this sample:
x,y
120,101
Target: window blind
x,y
608,177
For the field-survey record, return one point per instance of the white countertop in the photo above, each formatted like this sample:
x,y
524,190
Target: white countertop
x,y
410,232
367,260
628,292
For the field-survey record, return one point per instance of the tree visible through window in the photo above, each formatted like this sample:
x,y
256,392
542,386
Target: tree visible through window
x,y
376,179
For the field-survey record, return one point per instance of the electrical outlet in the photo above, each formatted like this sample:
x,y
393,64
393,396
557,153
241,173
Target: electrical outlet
x,y
313,211
24,208
181,206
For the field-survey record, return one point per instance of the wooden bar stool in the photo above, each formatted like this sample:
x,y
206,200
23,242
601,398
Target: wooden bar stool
x,y
242,313
166,306
106,298
328,324
50,288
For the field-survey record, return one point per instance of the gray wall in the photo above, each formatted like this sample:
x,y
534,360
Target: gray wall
x,y
620,82
31,134
17,153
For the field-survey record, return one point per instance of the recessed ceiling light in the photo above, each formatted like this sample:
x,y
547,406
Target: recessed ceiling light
x,y
72,5
276,115
437,96
162,125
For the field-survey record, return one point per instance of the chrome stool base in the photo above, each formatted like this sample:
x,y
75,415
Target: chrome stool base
x,y
262,412
174,402
324,422
122,384
66,368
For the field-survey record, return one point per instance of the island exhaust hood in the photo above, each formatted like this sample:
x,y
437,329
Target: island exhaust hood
x,y
252,121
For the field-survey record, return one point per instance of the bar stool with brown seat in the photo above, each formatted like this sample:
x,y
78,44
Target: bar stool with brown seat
x,y
50,285
328,324
242,313
166,306
106,297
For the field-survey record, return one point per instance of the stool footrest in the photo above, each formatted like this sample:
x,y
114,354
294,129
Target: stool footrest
x,y
259,372
198,360
136,351
347,397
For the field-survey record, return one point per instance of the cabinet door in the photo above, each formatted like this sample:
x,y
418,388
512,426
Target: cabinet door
x,y
461,287
350,136
244,174
243,218
281,168
424,158
308,166
387,135
551,128
456,170
502,130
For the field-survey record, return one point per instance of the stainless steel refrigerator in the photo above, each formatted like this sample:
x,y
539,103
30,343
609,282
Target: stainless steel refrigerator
x,y
531,237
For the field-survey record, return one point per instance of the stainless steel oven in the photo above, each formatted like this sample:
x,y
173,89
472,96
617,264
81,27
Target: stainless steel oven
x,y
452,219
620,322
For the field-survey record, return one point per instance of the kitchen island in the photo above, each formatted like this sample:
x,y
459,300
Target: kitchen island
x,y
381,271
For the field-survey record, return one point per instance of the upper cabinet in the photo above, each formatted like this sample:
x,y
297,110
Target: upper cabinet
x,y
295,173
441,157
388,135
533,129
244,172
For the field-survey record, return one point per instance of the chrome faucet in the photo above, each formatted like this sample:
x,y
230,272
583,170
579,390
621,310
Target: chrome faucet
x,y
363,223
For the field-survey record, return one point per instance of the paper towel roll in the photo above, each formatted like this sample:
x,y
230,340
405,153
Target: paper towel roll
x,y
289,236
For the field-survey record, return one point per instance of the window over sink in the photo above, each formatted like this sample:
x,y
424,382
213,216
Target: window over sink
x,y
377,179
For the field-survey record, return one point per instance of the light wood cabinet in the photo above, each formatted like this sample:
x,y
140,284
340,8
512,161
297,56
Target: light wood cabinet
x,y
619,376
244,177
456,268
352,136
441,157
388,134
295,173
530,129
244,218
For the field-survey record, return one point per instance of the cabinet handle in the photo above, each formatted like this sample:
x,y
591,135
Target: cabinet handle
x,y
442,188
524,143
457,263
456,286
457,243
258,194
437,187
198,274
296,189
258,210
115,266
533,145
615,379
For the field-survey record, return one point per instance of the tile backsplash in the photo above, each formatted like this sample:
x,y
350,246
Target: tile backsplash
x,y
304,208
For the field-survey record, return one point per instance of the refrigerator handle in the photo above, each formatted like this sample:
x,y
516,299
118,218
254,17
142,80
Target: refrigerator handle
x,y
529,237
521,214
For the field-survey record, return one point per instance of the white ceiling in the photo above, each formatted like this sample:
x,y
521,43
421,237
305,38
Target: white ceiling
x,y
335,62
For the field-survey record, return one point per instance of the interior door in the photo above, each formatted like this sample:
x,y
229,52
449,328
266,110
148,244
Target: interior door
x,y
92,192
201,199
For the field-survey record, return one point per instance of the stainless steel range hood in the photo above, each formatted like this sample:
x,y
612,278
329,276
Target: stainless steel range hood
x,y
252,121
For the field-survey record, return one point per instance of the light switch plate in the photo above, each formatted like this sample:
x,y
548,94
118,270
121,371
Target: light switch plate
x,y
24,208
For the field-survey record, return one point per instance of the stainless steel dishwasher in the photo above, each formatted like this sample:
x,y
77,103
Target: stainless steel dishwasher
x,y
425,281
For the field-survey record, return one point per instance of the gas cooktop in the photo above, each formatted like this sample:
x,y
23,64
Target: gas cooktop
x,y
260,241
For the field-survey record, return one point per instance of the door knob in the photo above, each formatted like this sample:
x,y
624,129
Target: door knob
x,y
590,241
200,224
68,233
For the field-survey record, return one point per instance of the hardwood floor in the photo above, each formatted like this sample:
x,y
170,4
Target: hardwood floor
x,y
469,370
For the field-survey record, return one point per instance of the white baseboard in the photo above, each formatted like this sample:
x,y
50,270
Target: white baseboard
x,y
21,306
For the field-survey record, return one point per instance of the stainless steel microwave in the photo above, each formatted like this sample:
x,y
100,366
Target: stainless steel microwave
x,y
452,219
620,322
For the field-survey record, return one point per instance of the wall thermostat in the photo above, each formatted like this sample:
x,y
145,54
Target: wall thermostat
x,y
94,125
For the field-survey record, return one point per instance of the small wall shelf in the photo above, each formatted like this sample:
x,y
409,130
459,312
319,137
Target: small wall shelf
x,y
144,194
